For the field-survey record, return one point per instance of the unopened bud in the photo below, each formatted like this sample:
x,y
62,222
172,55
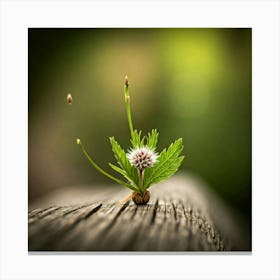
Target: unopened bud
x,y
126,81
78,141
69,99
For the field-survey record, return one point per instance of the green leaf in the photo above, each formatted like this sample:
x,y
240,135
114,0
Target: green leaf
x,y
168,163
136,140
125,175
152,139
130,172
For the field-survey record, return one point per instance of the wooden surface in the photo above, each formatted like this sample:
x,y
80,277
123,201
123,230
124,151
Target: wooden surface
x,y
182,215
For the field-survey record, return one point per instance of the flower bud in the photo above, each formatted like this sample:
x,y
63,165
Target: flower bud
x,y
126,81
69,99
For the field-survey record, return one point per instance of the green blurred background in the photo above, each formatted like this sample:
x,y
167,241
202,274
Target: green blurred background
x,y
193,83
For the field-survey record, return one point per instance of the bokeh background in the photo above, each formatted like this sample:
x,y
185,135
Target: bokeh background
x,y
190,83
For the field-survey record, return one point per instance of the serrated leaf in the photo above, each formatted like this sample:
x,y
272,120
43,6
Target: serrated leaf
x,y
168,163
123,162
124,174
136,140
152,139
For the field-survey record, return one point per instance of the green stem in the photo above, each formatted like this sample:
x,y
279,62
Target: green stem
x,y
141,180
127,104
100,169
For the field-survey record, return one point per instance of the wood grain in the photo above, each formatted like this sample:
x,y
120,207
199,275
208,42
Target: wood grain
x,y
182,215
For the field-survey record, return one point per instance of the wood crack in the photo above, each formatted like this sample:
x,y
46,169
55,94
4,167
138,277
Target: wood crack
x,y
155,208
59,229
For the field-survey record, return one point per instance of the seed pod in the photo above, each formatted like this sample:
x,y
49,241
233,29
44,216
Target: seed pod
x,y
141,198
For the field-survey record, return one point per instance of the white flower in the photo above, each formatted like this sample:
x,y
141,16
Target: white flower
x,y
142,158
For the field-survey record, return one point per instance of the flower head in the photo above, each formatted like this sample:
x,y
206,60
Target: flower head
x,y
142,158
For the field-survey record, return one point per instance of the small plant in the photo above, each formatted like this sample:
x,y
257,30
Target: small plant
x,y
141,166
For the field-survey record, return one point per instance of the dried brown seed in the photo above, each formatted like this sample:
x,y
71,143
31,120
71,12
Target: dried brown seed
x,y
141,198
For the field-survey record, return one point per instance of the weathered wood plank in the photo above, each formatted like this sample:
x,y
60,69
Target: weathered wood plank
x,y
182,215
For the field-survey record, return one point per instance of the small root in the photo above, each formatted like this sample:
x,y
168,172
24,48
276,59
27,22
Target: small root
x,y
125,200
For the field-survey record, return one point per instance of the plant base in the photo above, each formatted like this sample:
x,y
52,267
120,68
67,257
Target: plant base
x,y
141,198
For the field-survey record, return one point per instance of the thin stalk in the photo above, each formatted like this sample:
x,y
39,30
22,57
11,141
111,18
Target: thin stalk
x,y
100,169
127,104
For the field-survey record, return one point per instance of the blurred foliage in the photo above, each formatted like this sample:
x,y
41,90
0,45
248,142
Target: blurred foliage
x,y
189,83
